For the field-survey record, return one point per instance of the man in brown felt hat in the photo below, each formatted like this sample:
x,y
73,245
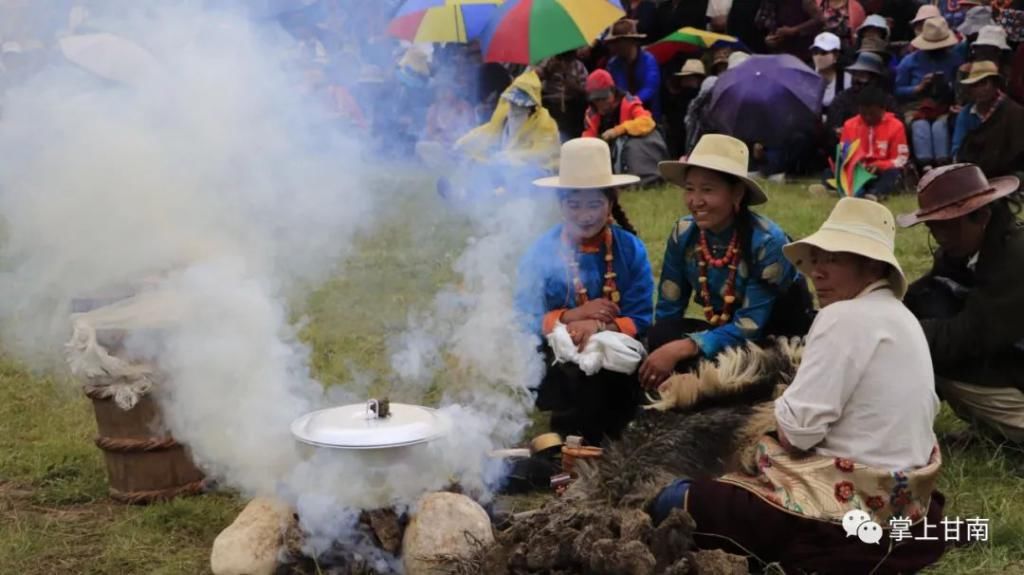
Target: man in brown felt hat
x,y
971,304
635,70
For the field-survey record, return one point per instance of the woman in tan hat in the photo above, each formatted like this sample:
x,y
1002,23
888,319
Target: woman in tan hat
x,y
924,83
854,429
591,274
727,258
971,304
988,130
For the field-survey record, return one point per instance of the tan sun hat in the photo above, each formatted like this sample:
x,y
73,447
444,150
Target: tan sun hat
x,y
935,35
692,67
925,12
855,226
979,71
585,164
718,153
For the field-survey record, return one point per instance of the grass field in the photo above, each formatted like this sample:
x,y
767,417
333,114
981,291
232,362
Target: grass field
x,y
55,517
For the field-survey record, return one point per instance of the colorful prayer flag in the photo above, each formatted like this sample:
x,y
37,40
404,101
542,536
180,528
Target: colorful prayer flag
x,y
851,175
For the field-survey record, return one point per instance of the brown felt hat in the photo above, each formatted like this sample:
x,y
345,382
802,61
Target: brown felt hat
x,y
624,29
950,192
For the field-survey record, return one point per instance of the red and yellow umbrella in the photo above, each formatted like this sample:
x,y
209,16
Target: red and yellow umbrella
x,y
689,41
528,31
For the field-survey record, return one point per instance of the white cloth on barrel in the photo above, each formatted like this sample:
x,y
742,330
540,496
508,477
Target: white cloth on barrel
x,y
609,350
106,374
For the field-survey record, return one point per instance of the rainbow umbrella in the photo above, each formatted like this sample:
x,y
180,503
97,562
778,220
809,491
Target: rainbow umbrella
x,y
442,20
689,40
528,31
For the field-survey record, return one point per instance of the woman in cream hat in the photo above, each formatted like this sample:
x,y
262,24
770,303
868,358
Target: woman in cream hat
x,y
590,273
726,258
854,428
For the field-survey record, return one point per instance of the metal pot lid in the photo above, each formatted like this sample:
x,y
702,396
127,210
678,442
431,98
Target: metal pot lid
x,y
359,426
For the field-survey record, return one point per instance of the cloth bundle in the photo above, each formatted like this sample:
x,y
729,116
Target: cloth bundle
x,y
105,374
609,350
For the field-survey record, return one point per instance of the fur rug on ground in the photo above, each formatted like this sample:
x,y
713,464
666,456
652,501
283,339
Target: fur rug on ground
x,y
703,425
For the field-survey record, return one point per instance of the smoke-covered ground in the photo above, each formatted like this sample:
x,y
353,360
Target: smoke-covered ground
x,y
202,170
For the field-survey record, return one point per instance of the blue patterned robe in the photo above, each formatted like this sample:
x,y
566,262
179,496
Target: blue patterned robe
x,y
545,281
761,276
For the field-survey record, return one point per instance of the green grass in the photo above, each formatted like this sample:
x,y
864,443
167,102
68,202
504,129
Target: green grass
x,y
54,513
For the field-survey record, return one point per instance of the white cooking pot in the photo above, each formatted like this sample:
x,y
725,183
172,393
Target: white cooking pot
x,y
375,434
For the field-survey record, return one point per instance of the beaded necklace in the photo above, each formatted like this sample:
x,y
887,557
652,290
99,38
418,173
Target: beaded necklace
x,y
610,290
731,259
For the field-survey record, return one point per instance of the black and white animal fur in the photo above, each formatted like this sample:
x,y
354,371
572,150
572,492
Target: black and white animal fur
x,y
703,425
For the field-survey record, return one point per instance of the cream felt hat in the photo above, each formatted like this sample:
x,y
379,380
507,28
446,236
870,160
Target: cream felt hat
x,y
585,164
855,226
718,153
979,71
935,35
993,35
925,12
692,67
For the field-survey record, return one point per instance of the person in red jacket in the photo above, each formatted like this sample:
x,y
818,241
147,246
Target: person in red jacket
x,y
621,120
883,139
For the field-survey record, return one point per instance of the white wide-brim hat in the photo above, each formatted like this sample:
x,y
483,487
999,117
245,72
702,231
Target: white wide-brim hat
x,y
855,226
585,164
718,153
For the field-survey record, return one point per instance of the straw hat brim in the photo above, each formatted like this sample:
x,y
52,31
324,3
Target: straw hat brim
x,y
998,188
675,172
969,80
834,240
921,44
557,182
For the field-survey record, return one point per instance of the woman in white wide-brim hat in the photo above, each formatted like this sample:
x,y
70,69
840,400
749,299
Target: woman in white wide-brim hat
x,y
854,429
589,273
725,258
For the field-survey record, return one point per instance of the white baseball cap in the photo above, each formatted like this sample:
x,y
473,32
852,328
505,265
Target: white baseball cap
x,y
827,42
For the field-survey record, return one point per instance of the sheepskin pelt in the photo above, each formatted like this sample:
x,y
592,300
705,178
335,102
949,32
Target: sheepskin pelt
x,y
702,425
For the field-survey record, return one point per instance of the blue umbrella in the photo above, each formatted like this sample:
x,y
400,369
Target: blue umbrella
x,y
766,98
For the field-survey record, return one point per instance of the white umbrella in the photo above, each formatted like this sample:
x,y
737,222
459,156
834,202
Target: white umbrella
x,y
109,56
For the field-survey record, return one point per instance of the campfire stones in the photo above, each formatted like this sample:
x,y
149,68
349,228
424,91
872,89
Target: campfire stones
x,y
250,545
446,527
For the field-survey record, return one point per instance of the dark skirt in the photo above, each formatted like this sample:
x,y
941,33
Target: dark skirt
x,y
727,515
596,407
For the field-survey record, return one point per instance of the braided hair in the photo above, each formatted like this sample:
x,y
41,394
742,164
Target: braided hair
x,y
618,212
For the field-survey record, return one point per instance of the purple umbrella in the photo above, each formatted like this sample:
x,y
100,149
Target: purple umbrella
x,y
766,98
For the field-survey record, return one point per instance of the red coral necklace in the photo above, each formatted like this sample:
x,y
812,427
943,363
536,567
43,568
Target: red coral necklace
x,y
610,290
731,259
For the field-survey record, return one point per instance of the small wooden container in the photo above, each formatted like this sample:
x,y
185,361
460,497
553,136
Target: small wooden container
x,y
143,463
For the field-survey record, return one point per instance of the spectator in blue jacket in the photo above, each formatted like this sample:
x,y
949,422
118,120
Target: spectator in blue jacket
x,y
635,70
924,83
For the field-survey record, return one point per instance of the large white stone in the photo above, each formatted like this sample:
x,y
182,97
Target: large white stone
x,y
445,525
251,544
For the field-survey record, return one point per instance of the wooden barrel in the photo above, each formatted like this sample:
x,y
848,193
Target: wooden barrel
x,y
143,464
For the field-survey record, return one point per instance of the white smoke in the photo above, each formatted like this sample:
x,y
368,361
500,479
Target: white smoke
x,y
210,175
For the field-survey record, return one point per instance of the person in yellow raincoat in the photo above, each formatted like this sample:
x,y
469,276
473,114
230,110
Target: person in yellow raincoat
x,y
521,137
